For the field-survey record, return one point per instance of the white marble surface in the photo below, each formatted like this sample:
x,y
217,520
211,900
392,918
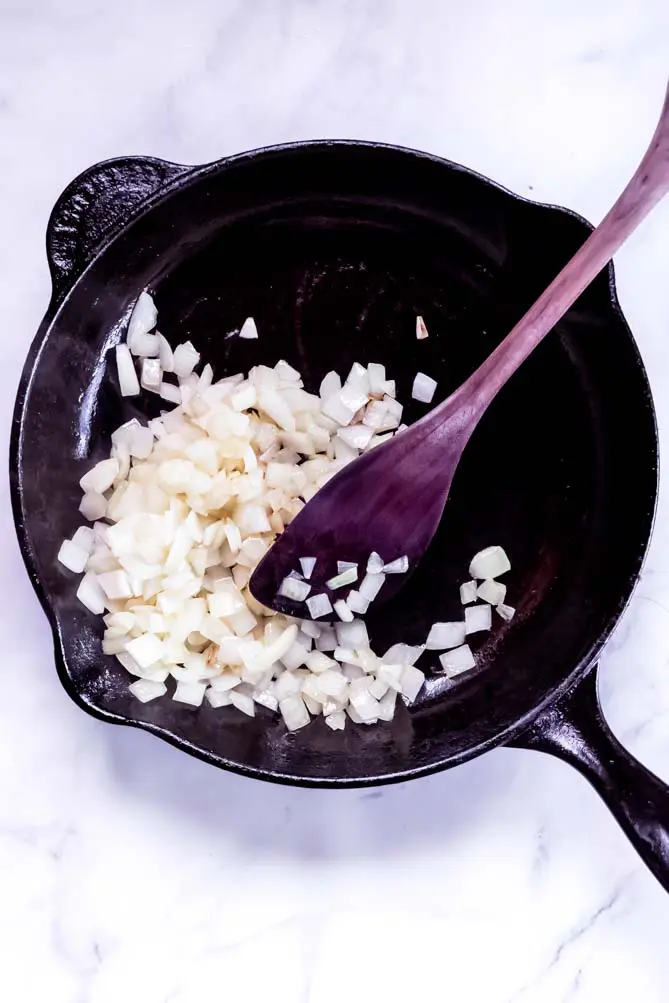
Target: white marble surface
x,y
129,871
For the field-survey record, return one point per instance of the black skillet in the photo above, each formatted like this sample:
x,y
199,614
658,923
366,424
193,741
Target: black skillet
x,y
334,248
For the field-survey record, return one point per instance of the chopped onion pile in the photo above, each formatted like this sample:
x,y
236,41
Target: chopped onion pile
x,y
184,509
450,637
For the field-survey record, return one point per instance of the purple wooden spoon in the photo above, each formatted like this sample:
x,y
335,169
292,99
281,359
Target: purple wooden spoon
x,y
391,499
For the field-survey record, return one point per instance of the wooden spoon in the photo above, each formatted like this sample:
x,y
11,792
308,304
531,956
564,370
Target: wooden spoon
x,y
391,499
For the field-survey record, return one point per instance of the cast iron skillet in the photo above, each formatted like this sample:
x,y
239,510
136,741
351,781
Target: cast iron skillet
x,y
334,247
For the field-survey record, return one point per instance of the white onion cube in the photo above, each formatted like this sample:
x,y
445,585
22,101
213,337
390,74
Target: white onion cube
x,y
423,388
319,605
506,612
458,660
146,649
492,592
336,720
72,557
411,682
294,589
371,585
100,477
147,689
190,692
445,635
477,618
468,592
489,563
248,329
294,712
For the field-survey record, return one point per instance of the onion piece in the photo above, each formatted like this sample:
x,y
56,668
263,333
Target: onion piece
x,y
468,592
336,720
147,689
189,692
72,557
423,388
371,585
242,701
477,618
492,592
411,681
319,605
91,595
248,329
421,329
397,567
457,660
186,358
218,698
142,319
125,367
506,612
307,564
101,477
294,589
165,354
330,385
405,654
93,506
343,611
445,635
346,577
146,649
375,563
294,712
356,602
169,392
151,374
489,563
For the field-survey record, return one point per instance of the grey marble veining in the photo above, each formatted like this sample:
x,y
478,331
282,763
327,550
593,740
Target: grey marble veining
x,y
127,870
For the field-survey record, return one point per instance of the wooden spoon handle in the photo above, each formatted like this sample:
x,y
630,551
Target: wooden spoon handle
x,y
648,185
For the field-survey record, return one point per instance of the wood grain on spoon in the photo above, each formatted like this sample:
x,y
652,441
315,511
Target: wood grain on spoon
x,y
391,499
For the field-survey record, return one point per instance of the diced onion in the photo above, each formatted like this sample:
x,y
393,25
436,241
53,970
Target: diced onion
x,y
319,605
346,577
248,329
468,592
343,611
307,564
492,592
125,367
371,585
356,602
423,388
506,612
477,618
457,660
421,329
147,689
72,557
291,588
489,563
445,635
397,567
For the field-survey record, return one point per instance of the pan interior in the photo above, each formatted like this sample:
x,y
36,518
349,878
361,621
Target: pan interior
x,y
335,250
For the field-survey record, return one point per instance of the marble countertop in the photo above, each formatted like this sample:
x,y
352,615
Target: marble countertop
x,y
130,871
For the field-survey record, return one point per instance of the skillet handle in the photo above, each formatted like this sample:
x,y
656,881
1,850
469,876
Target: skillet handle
x,y
574,730
94,207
